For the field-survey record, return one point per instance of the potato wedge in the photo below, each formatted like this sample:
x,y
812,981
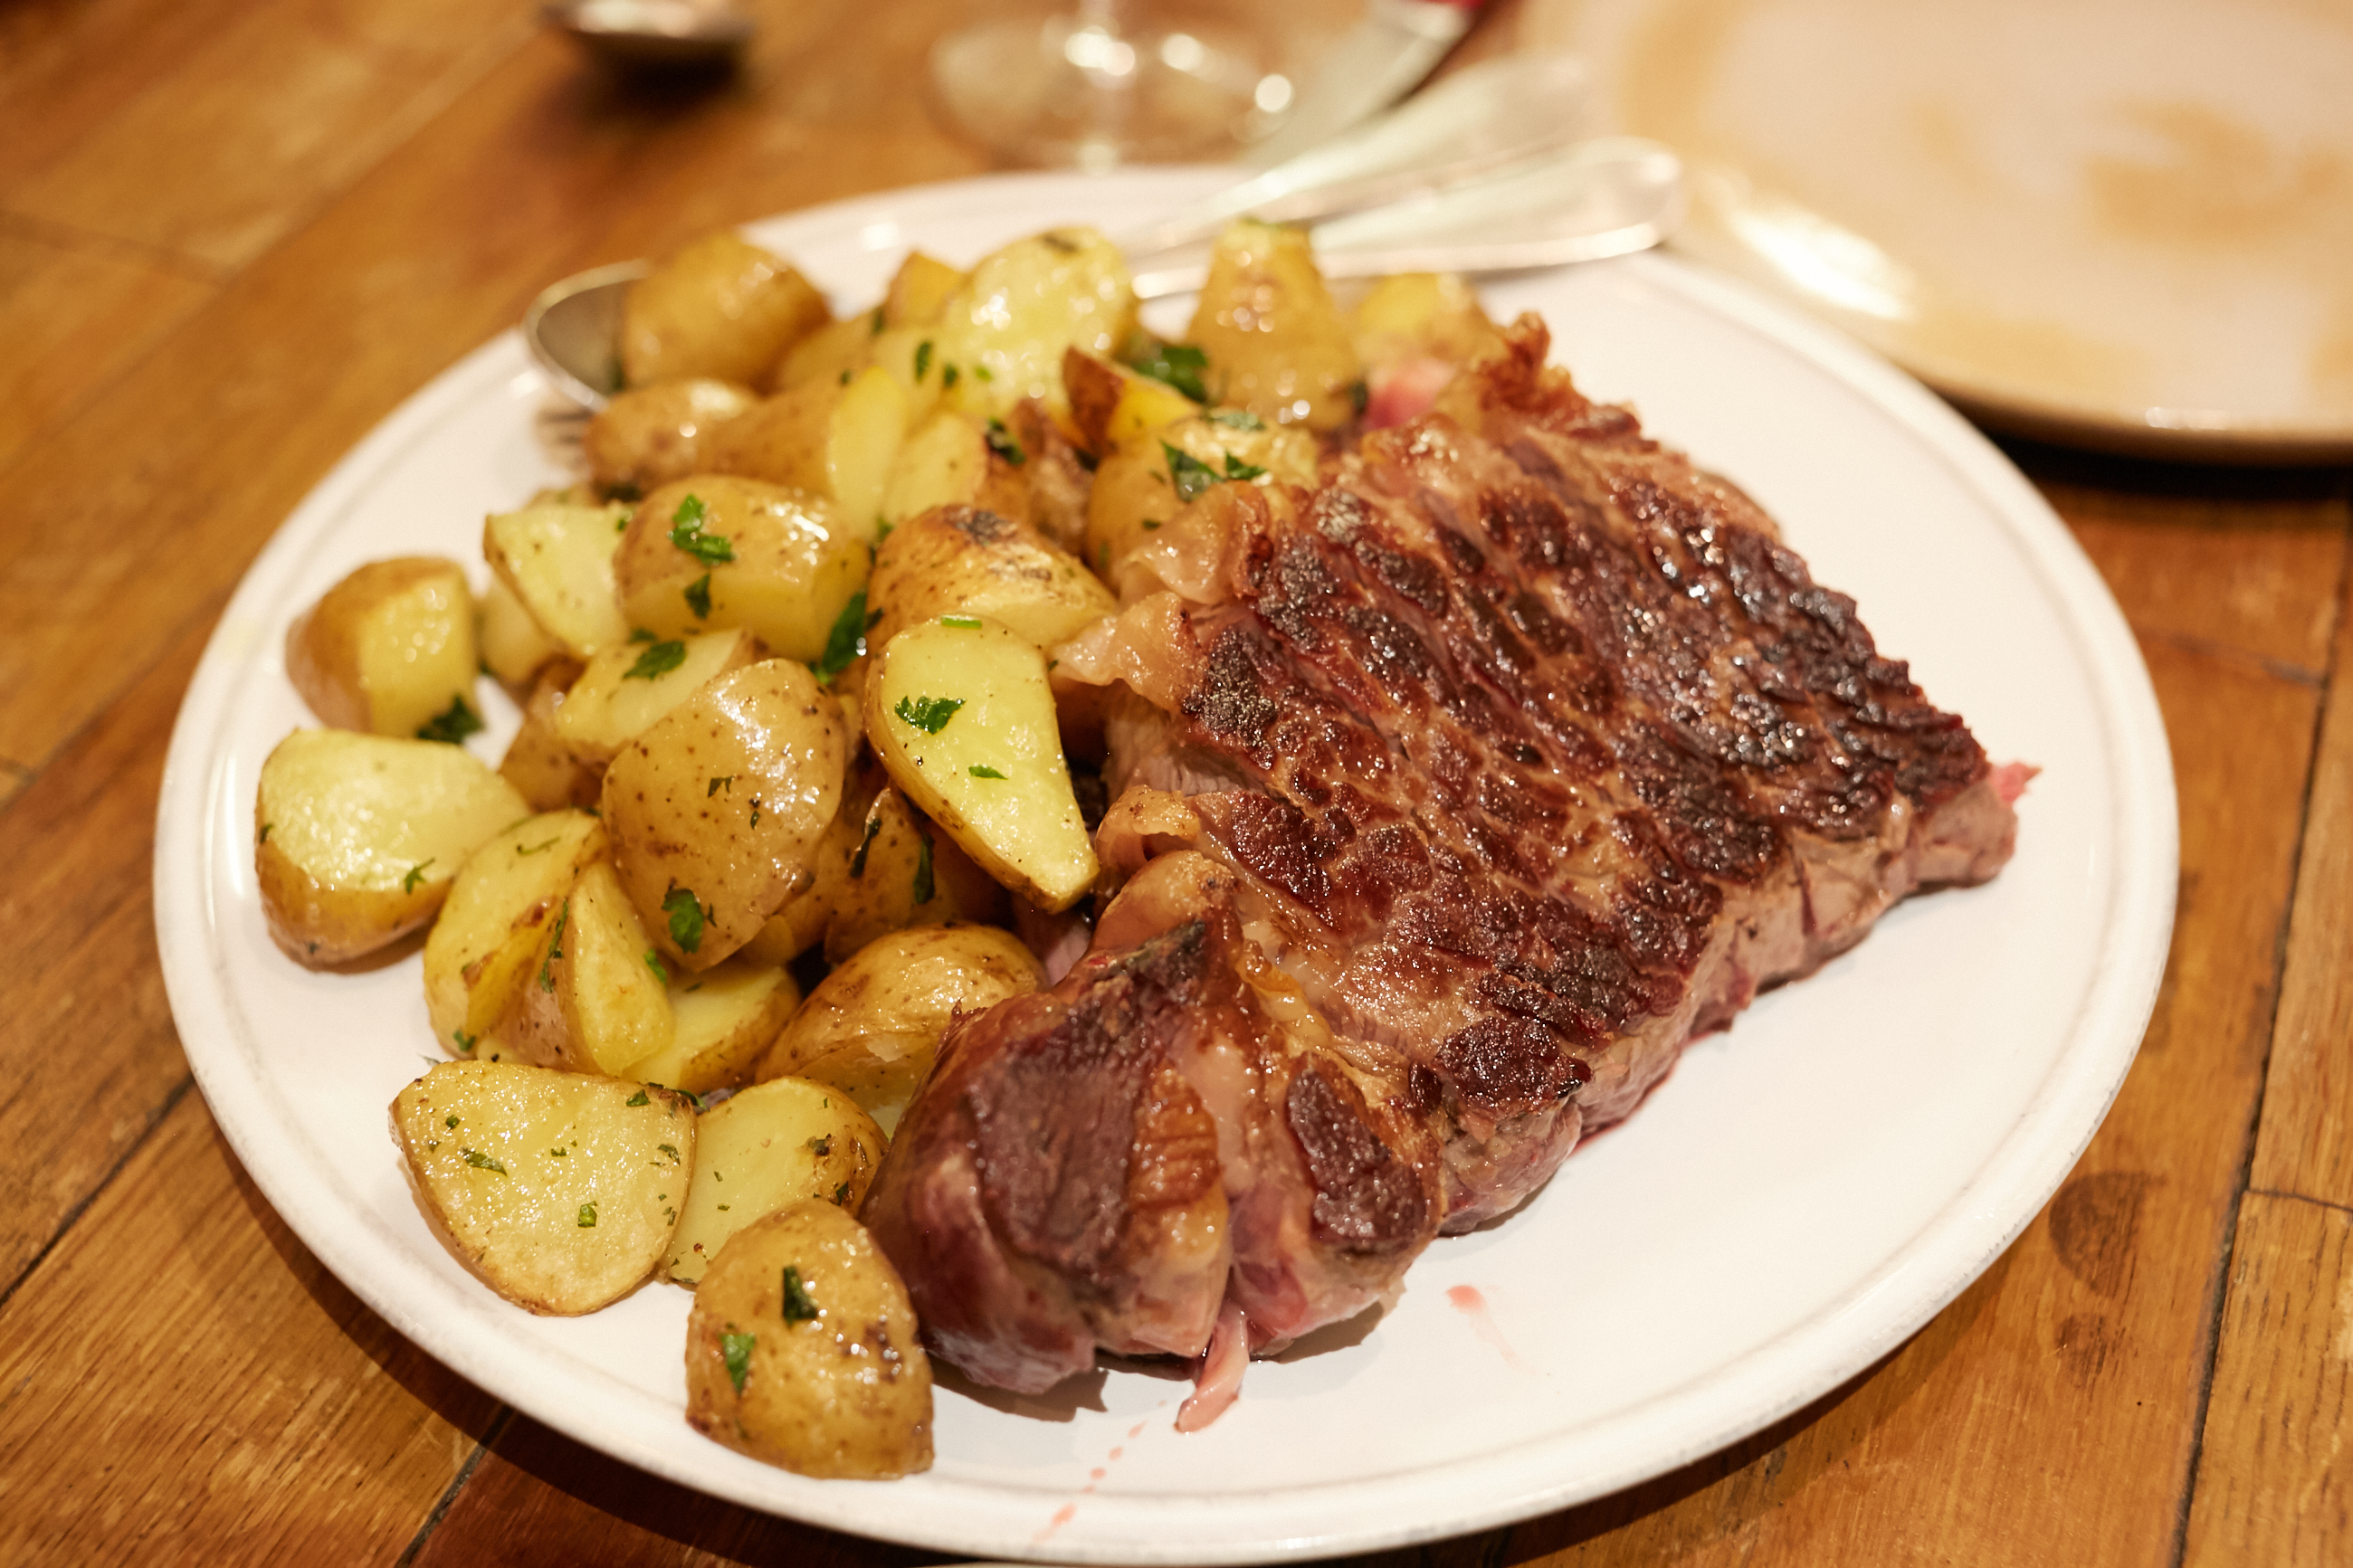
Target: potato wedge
x,y
713,553
786,1141
960,560
1110,403
722,1018
597,1001
649,436
512,647
719,306
871,1027
801,1351
833,439
483,946
538,763
716,810
1277,345
920,291
557,558
358,838
963,722
390,650
1007,328
625,690
1152,477
561,1191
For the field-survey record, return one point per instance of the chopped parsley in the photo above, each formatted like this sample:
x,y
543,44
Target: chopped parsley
x,y
962,623
820,1145
723,781
451,1123
982,372
1150,523
554,948
1238,470
1359,395
947,377
661,974
534,849
1235,418
658,659
858,861
736,1349
1179,366
923,888
452,724
929,714
481,1162
686,532
923,358
698,597
416,875
841,1195
264,838
637,1098
800,1307
588,1216
640,634
1001,442
1187,473
983,770
669,1150
464,1041
847,641
685,919
876,331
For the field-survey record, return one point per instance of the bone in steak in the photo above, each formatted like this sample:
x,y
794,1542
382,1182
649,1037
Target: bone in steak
x,y
1451,799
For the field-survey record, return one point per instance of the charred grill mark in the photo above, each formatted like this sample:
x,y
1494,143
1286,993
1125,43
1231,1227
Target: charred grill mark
x,y
1507,1065
1367,1199
1229,703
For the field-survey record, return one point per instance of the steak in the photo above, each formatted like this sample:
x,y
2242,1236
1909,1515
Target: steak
x,y
1450,799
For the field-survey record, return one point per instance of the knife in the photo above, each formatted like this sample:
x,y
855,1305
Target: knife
x,y
1376,63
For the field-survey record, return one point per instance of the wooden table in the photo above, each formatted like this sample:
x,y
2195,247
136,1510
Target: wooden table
x,y
234,233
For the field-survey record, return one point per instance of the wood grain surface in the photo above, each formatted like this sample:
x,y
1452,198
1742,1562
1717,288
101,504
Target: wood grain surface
x,y
235,234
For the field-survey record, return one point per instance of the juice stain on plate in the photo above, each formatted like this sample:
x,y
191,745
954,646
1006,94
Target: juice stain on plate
x,y
1070,1510
1468,1300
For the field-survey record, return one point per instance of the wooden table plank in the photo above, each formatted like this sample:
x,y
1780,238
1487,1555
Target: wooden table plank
x,y
2275,1479
187,1383
2306,1143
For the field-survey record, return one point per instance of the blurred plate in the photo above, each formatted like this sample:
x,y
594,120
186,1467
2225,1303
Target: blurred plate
x,y
2121,222
1806,1189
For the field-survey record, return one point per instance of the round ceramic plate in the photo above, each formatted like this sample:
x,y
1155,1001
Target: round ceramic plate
x,y
2121,222
1805,1191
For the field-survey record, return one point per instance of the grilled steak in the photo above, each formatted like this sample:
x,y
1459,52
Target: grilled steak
x,y
1451,799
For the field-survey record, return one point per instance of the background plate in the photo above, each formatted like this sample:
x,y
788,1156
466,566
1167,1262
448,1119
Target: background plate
x,y
1805,1191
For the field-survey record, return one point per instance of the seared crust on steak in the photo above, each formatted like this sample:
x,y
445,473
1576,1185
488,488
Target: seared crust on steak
x,y
1457,795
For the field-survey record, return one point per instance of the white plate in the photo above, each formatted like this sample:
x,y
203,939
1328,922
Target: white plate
x,y
1805,1191
2123,223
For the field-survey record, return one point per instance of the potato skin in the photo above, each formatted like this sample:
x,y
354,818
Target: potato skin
x,y
844,1395
793,563
724,800
649,436
784,1141
964,560
1277,345
388,648
719,306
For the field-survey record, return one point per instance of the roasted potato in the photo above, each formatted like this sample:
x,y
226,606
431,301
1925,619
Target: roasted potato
x,y
513,645
1007,328
873,1027
833,439
557,557
538,763
962,718
624,691
561,1191
895,868
597,1000
721,307
649,436
358,838
482,947
716,810
723,1019
801,1351
920,291
1417,315
1151,477
390,650
775,1143
951,461
713,553
1110,403
1276,343
959,560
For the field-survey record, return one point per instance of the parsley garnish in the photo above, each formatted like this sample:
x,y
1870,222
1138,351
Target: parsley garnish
x,y
1359,395
1180,365
698,597
1235,418
1001,442
929,714
452,724
1187,473
962,623
841,1195
416,875
800,1307
858,861
1238,470
876,331
947,377
452,1123
736,1349
481,1162
588,1216
554,948
923,358
264,838
724,781
686,532
464,1041
640,634
661,971
847,641
924,888
822,1144
534,849
658,659
983,770
984,373
755,811
685,919
669,1150
637,1098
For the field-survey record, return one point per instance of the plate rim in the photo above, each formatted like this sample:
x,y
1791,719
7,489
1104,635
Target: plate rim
x,y
2119,995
